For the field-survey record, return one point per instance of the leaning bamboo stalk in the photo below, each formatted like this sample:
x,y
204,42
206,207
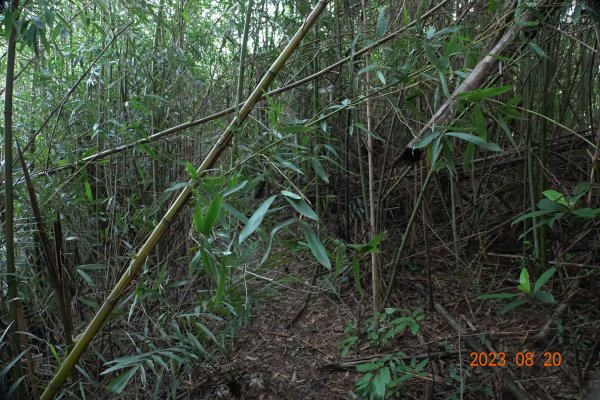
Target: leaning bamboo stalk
x,y
126,279
476,79
58,280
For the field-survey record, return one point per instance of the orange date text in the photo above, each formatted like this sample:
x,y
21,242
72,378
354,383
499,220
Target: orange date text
x,y
520,359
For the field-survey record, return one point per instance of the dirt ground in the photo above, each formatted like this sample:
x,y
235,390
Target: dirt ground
x,y
276,361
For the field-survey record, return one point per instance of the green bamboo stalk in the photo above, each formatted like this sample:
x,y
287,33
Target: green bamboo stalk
x,y
242,65
127,278
372,213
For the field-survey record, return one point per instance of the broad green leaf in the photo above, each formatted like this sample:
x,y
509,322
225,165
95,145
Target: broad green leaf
x,y
92,267
195,263
119,383
211,215
316,247
206,332
191,170
220,292
426,140
177,186
485,93
197,219
445,31
235,212
356,273
372,246
524,284
555,196
88,191
380,382
440,63
587,213
476,140
340,257
90,303
494,296
545,296
291,195
290,165
444,84
88,279
300,205
236,188
319,171
367,367
256,219
532,214
366,69
209,262
545,277
272,236
537,49
513,304
549,205
89,152
382,24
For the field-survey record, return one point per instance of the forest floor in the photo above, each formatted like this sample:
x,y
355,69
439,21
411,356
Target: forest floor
x,y
275,361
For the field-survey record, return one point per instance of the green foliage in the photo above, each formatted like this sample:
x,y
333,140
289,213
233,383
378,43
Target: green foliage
x,y
382,377
6,369
526,294
557,206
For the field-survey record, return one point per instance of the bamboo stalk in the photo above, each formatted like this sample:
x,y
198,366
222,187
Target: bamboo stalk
x,y
9,219
138,260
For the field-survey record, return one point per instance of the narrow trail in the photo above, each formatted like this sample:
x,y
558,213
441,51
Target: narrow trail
x,y
275,361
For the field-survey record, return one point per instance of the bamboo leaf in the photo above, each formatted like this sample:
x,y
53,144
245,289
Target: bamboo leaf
x,y
426,140
197,219
513,304
524,284
191,170
356,273
496,296
485,93
211,215
272,236
319,171
476,140
300,205
119,383
382,23
545,277
256,219
537,49
316,247
88,191
220,285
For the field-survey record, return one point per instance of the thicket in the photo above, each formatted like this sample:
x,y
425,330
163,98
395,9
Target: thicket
x,y
145,198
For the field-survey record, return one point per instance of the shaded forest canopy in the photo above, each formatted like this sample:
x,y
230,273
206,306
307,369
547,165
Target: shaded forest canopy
x,y
291,199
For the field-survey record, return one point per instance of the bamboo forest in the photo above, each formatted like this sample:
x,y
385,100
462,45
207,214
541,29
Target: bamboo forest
x,y
277,199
